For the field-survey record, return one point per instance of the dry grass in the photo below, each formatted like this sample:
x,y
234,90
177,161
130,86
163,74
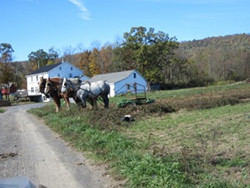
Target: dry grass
x,y
208,135
209,100
205,132
213,140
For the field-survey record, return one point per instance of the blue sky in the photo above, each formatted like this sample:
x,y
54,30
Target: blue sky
x,y
30,25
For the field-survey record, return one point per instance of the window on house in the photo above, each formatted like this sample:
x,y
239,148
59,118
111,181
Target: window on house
x,y
36,78
58,75
134,75
128,87
70,75
60,68
71,68
32,90
32,78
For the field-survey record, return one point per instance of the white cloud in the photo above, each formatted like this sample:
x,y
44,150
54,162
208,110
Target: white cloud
x,y
84,13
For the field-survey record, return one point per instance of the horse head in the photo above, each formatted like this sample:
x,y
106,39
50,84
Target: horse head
x,y
48,87
42,83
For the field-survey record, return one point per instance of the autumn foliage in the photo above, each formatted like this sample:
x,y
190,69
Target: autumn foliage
x,y
161,59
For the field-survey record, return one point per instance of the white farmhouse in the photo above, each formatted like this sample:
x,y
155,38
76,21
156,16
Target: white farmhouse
x,y
55,70
123,82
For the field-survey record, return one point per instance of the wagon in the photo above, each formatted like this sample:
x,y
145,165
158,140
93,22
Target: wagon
x,y
138,97
21,94
134,102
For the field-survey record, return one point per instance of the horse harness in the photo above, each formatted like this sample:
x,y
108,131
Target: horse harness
x,y
71,86
88,91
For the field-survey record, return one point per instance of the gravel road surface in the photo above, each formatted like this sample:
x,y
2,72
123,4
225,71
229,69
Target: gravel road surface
x,y
29,148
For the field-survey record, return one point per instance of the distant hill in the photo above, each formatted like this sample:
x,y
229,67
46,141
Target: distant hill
x,y
221,58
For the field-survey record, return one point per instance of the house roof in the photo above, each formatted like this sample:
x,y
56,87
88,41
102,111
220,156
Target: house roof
x,y
45,68
112,77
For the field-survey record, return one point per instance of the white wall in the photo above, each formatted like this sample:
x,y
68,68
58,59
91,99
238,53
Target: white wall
x,y
112,90
120,88
33,83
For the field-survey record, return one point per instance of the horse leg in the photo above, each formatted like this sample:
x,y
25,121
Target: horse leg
x,y
95,103
83,101
57,103
105,101
80,99
91,102
78,102
67,102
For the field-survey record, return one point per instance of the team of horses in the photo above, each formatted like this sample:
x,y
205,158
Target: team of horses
x,y
7,89
80,91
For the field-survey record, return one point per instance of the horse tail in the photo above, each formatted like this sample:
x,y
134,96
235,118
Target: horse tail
x,y
106,88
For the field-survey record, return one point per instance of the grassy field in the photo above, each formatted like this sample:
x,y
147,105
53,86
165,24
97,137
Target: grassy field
x,y
195,137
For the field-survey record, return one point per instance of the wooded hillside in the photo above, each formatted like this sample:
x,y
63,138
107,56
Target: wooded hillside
x,y
221,58
158,57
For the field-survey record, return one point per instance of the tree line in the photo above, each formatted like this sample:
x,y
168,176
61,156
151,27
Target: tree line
x,y
220,58
159,58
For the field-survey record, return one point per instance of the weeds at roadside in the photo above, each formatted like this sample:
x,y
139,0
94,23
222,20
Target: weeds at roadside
x,y
165,147
124,154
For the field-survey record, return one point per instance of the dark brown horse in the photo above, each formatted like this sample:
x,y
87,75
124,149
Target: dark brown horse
x,y
51,87
42,84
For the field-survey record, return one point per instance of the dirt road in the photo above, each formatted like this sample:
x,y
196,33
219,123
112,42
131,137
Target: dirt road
x,y
29,148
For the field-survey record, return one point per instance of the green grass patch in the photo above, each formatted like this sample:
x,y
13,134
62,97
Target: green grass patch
x,y
235,162
212,141
2,110
126,155
189,138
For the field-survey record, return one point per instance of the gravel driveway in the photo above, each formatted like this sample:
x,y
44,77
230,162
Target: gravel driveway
x,y
29,148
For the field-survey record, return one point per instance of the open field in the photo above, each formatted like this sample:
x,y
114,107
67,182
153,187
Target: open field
x,y
195,137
